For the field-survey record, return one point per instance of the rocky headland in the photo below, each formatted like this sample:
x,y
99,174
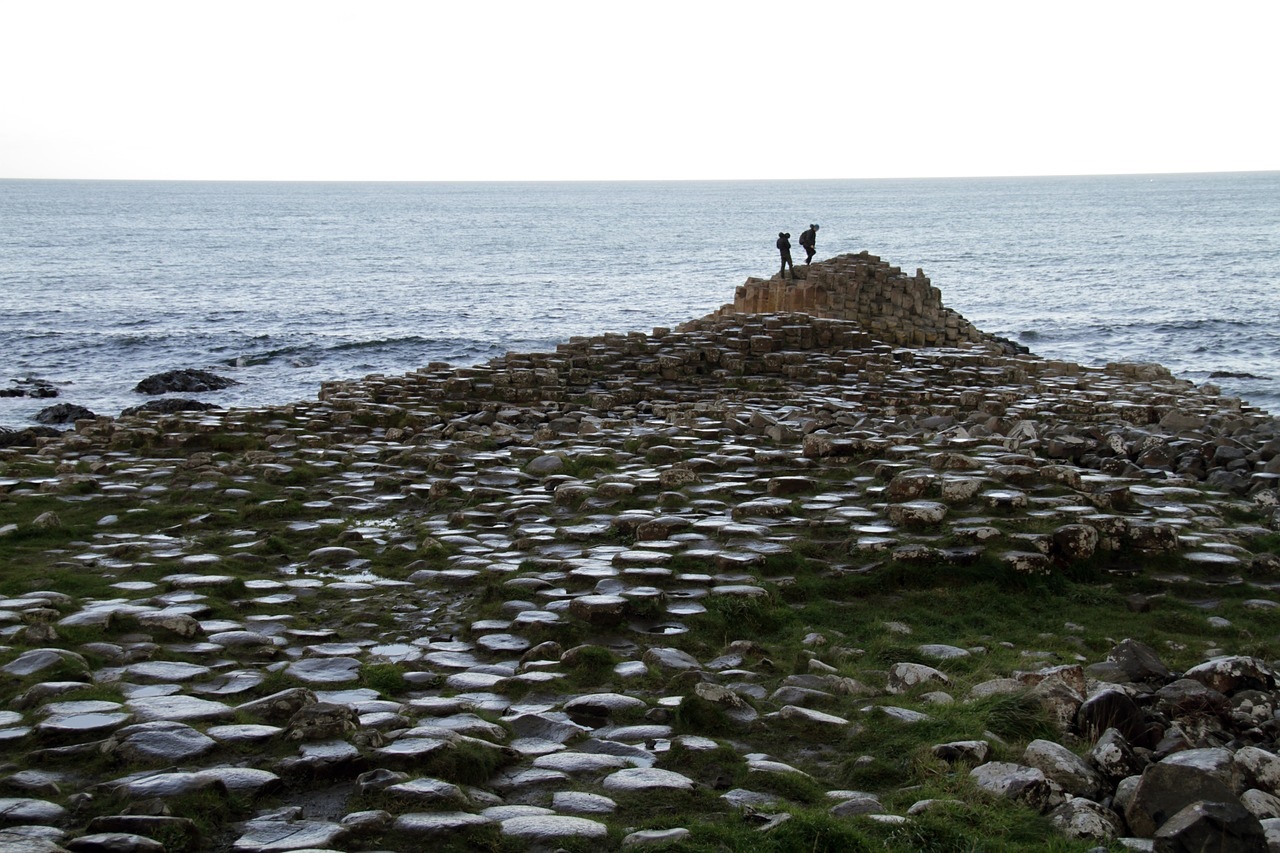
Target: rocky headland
x,y
828,569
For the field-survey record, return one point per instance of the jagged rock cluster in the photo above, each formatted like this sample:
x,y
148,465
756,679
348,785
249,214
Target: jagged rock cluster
x,y
896,308
471,620
29,387
1187,760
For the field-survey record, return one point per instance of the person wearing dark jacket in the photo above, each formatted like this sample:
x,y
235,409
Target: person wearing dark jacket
x,y
784,249
808,241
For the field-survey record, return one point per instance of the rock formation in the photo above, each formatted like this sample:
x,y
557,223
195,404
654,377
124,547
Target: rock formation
x,y
183,381
653,589
892,307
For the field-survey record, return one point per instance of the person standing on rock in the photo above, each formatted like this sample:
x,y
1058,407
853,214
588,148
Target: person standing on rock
x,y
808,241
784,249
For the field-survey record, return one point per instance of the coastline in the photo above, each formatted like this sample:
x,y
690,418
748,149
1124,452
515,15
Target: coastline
x,y
272,288
589,570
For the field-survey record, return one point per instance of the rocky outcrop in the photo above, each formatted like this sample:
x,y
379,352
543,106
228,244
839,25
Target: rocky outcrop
x,y
1194,770
63,413
30,387
168,406
893,307
183,382
26,437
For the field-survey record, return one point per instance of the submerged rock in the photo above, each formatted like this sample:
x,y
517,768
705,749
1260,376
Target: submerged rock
x,y
167,406
63,413
183,381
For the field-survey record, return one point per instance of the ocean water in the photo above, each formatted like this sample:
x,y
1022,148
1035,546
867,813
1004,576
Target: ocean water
x,y
284,285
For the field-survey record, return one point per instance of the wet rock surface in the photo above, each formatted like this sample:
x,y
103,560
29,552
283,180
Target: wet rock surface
x,y
549,600
183,381
29,387
63,413
168,406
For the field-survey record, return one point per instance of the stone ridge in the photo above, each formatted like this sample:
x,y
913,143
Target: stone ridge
x,y
900,309
614,369
845,311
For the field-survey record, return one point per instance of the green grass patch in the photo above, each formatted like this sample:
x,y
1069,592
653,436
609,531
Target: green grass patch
x,y
980,828
1016,717
591,666
664,808
386,678
479,839
720,768
732,617
795,787
466,763
696,715
785,563
585,466
808,830
211,810
886,753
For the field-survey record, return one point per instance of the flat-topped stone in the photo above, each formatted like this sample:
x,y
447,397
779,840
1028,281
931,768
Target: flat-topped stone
x,y
438,824
647,779
178,708
271,836
27,810
540,829
325,670
161,741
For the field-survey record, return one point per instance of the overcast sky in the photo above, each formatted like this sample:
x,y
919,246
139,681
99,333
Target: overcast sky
x,y
546,90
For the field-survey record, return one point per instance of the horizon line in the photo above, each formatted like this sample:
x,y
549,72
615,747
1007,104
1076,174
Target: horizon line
x,y
641,180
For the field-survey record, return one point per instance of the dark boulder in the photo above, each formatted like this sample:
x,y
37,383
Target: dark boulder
x,y
1234,672
322,721
1166,789
1114,709
183,382
1231,374
1211,826
1140,662
167,406
1114,757
40,389
1188,698
63,413
25,437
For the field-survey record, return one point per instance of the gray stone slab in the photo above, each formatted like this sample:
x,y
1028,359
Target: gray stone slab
x,y
429,792
541,829
580,763
160,672
582,802
27,810
81,726
243,733
432,824
647,779
180,708
325,670
278,836
38,660
161,741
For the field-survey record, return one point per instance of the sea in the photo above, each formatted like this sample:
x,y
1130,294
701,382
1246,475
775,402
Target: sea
x,y
282,286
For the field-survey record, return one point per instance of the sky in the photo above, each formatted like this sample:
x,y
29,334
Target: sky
x,y
629,90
